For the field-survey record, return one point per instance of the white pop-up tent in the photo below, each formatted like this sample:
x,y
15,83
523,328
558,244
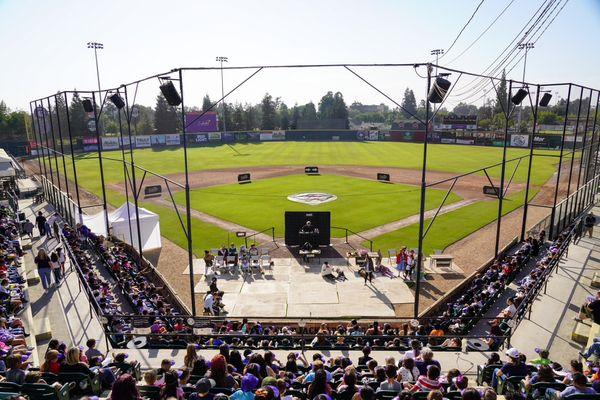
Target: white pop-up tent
x,y
7,169
119,221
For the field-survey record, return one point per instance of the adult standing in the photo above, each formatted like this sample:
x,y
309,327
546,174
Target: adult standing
x,y
55,267
369,270
209,259
40,221
44,270
590,221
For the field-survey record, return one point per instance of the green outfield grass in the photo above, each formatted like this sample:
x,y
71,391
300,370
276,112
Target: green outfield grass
x,y
361,204
450,227
442,157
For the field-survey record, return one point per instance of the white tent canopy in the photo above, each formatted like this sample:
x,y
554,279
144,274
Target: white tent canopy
x,y
6,167
119,222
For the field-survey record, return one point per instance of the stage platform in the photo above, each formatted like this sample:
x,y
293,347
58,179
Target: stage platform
x,y
294,289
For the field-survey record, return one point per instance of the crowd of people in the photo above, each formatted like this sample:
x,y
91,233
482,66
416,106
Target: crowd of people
x,y
13,344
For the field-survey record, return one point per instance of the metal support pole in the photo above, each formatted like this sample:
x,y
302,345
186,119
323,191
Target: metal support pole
x,y
556,187
104,205
62,149
422,205
503,171
125,175
73,160
526,204
60,204
583,147
569,202
594,154
134,183
37,144
187,198
47,147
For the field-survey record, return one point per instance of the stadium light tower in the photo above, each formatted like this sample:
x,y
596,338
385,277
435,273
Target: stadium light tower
x,y
96,46
437,53
526,46
222,59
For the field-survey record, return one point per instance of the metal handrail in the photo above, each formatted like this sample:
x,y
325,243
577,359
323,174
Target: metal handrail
x,y
346,230
272,229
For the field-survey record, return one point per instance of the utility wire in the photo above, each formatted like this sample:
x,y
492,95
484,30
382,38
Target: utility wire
x,y
482,33
463,29
477,83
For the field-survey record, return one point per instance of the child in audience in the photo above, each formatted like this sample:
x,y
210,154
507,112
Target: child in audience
x,y
150,378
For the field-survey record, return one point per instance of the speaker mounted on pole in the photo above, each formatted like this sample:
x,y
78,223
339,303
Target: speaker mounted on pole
x,y
438,90
87,105
545,100
168,90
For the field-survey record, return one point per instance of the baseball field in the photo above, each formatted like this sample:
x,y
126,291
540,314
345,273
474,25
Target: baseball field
x,y
382,212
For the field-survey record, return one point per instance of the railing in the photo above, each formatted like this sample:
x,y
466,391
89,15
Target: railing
x,y
271,229
346,231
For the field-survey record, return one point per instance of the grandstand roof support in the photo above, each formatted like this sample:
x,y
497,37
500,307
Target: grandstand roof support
x,y
99,147
79,210
420,254
560,160
531,141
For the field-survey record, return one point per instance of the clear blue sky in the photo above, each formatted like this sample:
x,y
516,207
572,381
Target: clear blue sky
x,y
43,44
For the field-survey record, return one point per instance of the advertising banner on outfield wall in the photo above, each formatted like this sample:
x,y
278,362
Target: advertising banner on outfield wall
x,y
158,140
172,139
519,140
195,123
124,141
110,143
214,136
227,137
448,140
142,141
465,141
201,138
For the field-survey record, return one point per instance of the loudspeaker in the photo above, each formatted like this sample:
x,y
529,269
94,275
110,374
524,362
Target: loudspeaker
x,y
87,105
519,96
168,90
117,101
545,99
438,90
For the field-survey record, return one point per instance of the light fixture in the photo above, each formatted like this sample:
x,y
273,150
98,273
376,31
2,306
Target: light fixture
x,y
519,96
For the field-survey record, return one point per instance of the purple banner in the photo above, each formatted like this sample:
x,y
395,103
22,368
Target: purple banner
x,y
208,122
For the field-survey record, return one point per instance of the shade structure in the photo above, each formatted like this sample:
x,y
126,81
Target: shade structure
x,y
7,169
120,220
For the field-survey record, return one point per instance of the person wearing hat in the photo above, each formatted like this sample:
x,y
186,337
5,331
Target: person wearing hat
x,y
203,387
514,367
415,351
246,392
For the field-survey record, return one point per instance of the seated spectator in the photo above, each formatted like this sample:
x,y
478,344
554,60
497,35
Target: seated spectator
x,y
246,392
408,371
348,387
366,357
514,367
14,373
125,388
428,382
593,350
578,386
426,360
203,387
218,373
171,388
391,383
544,374
150,378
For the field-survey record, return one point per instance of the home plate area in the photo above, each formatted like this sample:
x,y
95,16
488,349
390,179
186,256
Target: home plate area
x,y
294,289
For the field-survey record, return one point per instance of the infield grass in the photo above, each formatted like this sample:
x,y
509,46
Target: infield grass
x,y
361,204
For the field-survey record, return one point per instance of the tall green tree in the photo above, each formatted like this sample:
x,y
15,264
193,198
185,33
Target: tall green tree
x,y
78,116
501,95
340,111
309,112
206,103
237,118
267,107
166,118
284,116
295,117
326,106
409,104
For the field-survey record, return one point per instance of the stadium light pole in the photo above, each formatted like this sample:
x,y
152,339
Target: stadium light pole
x,y
437,53
223,59
96,46
526,46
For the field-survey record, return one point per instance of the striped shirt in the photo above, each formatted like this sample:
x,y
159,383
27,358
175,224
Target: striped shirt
x,y
425,384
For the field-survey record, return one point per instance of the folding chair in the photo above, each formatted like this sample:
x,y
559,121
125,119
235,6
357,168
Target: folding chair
x,y
219,265
265,262
214,252
255,263
392,256
231,264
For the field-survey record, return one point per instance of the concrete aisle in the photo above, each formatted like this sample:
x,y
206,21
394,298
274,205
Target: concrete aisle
x,y
552,316
66,309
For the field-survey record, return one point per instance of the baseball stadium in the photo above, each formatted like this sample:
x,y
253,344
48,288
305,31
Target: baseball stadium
x,y
192,235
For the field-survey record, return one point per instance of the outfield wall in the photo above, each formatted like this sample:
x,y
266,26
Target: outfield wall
x,y
469,138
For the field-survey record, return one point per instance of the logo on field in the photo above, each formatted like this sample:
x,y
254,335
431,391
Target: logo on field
x,y
312,199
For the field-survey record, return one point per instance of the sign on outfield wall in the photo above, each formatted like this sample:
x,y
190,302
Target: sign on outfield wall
x,y
198,122
519,140
465,141
110,143
172,139
274,135
142,141
158,140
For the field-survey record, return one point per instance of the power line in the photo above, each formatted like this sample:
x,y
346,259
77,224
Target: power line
x,y
487,90
464,27
478,82
483,33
